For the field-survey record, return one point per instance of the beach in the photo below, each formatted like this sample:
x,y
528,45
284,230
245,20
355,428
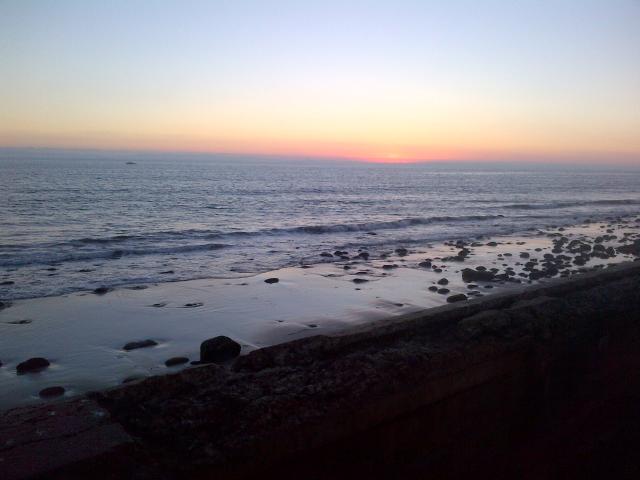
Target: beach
x,y
83,335
541,383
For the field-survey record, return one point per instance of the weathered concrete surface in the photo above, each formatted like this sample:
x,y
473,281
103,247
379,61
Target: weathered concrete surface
x,y
48,438
542,384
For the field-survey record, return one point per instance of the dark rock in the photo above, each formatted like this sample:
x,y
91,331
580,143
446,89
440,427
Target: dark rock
x,y
456,298
272,280
326,254
192,305
101,290
443,291
433,288
389,267
51,392
425,264
633,249
219,349
132,378
173,361
32,365
364,255
360,280
167,272
7,282
469,275
141,344
402,251
443,281
536,275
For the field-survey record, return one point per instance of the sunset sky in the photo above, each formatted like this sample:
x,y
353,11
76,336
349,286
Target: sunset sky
x,y
374,80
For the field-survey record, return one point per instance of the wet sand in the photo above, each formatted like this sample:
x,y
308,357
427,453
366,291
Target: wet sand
x,y
83,335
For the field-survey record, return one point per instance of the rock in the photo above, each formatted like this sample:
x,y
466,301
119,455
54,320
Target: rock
x,y
443,281
433,288
133,378
101,290
425,264
4,305
51,392
492,244
469,275
272,280
32,365
360,280
326,254
7,282
456,298
402,251
219,349
364,255
633,249
173,361
443,291
141,344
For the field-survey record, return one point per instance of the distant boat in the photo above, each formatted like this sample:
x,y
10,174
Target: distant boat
x,y
131,163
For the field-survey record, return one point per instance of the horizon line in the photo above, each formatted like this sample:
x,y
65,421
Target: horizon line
x,y
522,160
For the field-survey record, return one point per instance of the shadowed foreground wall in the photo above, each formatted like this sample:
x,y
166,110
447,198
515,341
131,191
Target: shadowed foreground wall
x,y
539,384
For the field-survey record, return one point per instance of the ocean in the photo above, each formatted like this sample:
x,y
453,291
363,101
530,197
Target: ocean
x,y
72,221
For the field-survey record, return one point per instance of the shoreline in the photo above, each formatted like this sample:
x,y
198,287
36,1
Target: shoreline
x,y
504,371
83,334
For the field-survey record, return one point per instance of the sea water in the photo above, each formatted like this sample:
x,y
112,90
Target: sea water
x,y
74,221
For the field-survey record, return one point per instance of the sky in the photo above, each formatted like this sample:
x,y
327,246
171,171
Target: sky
x,y
371,80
